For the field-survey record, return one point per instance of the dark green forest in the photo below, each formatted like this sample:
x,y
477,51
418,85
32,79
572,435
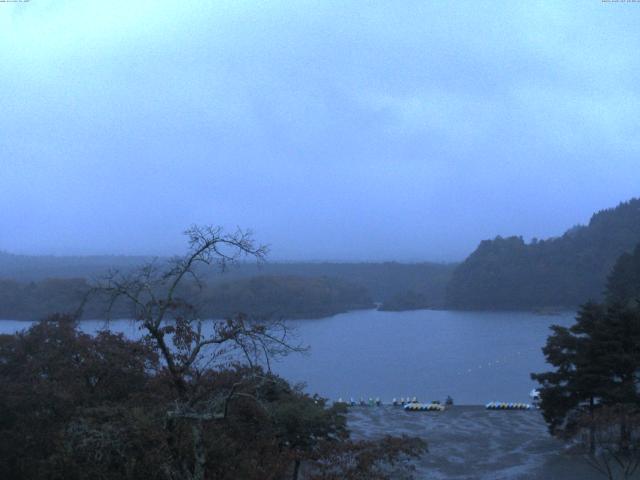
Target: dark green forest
x,y
382,280
31,287
563,272
284,296
262,297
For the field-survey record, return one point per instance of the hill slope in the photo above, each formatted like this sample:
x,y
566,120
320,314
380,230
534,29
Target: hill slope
x,y
507,273
266,296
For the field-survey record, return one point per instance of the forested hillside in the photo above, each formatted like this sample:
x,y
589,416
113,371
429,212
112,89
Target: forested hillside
x,y
507,273
285,297
273,297
383,280
391,283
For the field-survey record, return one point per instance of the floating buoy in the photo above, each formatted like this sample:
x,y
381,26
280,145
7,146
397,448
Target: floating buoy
x,y
424,407
507,406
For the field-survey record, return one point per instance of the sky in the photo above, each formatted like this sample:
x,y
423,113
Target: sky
x,y
360,130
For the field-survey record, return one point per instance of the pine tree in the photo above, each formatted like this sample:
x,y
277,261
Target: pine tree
x,y
579,380
623,285
597,360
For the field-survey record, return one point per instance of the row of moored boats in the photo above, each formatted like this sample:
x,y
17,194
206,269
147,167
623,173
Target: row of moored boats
x,y
413,405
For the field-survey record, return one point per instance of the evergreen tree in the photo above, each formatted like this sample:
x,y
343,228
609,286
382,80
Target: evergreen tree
x,y
579,379
623,285
596,361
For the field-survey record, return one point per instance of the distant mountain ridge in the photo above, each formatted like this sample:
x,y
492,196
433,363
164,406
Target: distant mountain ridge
x,y
562,272
259,297
382,280
33,286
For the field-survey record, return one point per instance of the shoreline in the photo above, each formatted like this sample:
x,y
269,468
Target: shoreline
x,y
538,312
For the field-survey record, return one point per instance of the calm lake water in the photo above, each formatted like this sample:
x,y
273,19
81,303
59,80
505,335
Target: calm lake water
x,y
475,357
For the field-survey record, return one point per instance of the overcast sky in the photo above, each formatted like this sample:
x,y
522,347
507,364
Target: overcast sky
x,y
335,130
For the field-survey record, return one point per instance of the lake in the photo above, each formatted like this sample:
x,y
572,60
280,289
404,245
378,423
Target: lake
x,y
475,357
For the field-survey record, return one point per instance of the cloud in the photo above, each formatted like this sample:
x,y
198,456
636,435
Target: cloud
x,y
406,129
457,117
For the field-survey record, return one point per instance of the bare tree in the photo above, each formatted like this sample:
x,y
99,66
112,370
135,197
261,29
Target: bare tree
x,y
190,346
